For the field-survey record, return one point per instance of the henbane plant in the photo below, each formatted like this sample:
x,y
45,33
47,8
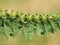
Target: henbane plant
x,y
13,22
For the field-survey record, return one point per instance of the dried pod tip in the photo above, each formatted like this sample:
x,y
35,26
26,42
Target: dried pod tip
x,y
11,34
25,14
17,16
46,15
11,10
28,13
32,15
52,16
40,15
21,13
6,10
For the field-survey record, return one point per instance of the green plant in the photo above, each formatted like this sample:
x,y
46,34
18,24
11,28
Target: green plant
x,y
13,22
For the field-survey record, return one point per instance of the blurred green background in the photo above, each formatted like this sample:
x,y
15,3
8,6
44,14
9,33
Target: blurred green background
x,y
31,6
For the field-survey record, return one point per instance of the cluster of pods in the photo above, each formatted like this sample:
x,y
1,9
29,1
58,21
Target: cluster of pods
x,y
11,23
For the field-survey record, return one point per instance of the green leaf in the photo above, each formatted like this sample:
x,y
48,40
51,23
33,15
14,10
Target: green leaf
x,y
15,29
25,33
58,22
28,32
7,30
56,25
52,25
30,35
1,30
39,29
0,22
